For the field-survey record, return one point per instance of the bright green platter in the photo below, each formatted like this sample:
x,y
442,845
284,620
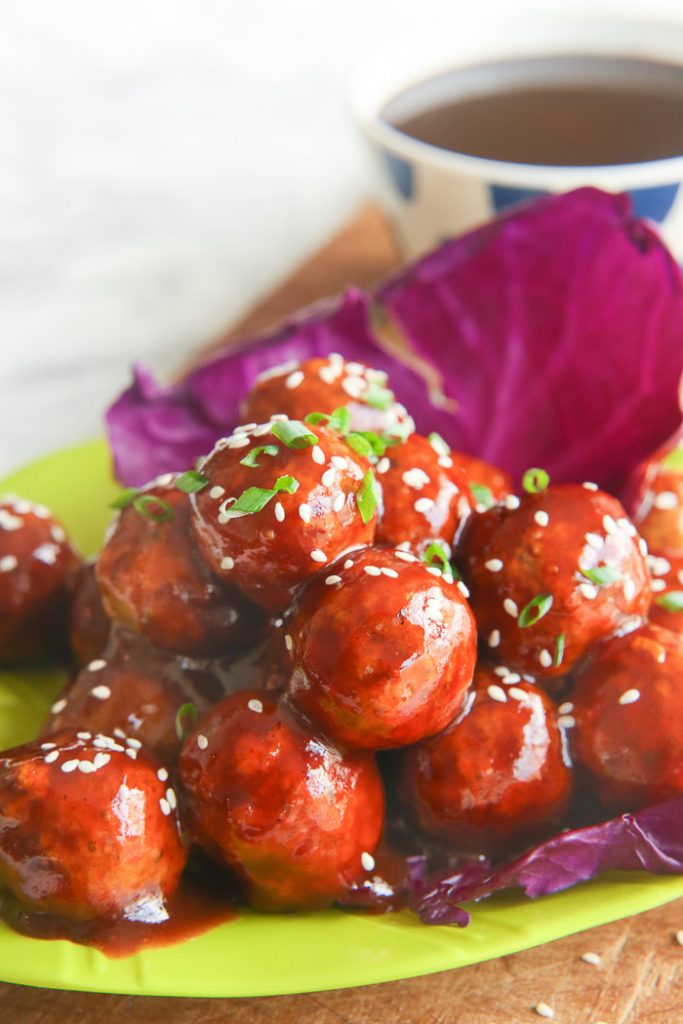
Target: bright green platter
x,y
269,955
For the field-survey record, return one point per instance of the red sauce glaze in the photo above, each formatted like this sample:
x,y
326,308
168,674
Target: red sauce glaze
x,y
88,623
629,733
36,562
153,582
667,585
425,497
84,844
270,552
509,556
498,775
659,513
482,474
137,689
286,811
323,385
383,650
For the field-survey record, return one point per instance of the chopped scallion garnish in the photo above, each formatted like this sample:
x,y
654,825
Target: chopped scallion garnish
x,y
150,507
671,602
438,443
535,480
185,720
436,555
532,612
558,657
367,497
293,434
602,575
251,459
378,395
125,498
482,495
191,482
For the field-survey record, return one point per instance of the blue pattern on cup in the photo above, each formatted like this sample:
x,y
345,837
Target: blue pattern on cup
x,y
503,196
655,202
401,173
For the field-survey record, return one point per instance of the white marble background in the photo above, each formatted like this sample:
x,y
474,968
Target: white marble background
x,y
162,163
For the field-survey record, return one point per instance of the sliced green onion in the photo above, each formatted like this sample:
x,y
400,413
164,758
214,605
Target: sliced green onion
x,y
293,434
378,395
251,459
125,498
674,460
438,444
602,574
185,720
671,601
254,499
150,507
191,482
535,480
367,497
482,495
360,445
532,612
314,418
286,483
558,657
340,420
435,553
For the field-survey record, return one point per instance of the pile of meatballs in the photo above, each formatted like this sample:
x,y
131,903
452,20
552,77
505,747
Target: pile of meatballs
x,y
330,623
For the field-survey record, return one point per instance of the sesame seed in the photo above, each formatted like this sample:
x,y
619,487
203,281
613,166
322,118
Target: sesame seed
x,y
629,696
172,799
281,417
328,374
134,743
331,580
665,500
493,565
658,585
202,741
132,754
497,693
23,507
294,380
589,485
69,766
510,607
433,570
238,441
305,512
383,465
543,1010
424,505
8,563
263,429
339,462
545,658
318,556
339,502
318,455
591,958
119,733
354,386
355,369
566,708
511,677
217,492
541,518
589,591
100,760
415,478
516,693
227,563
328,478
368,861
390,573
642,544
279,512
372,570
348,563
610,524
679,937
162,774
87,767
403,546
629,589
83,735
406,556
255,705
57,534
658,566
463,588
511,502
594,540
41,511
627,527
58,706
501,670
289,643
97,665
445,461
165,806
51,757
8,521
101,692
48,746
494,638
566,721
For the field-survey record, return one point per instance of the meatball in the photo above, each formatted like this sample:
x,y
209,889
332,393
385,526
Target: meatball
x,y
629,735
36,561
659,515
296,389
137,690
667,587
551,573
88,829
497,776
383,650
424,496
88,623
153,581
277,511
295,819
487,483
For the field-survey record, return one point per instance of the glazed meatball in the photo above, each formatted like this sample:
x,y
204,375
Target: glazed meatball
x,y
659,514
424,496
487,483
296,389
153,581
629,735
667,588
137,690
497,776
36,561
550,574
295,819
88,624
289,534
88,829
383,650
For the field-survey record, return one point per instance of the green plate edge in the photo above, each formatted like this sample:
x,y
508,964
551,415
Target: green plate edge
x,y
262,955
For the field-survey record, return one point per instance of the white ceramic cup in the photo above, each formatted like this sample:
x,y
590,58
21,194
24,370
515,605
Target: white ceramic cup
x,y
432,193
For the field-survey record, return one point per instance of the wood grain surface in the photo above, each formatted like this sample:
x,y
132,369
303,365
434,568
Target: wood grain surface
x,y
640,976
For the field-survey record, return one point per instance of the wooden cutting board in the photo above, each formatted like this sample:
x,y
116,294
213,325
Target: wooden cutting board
x,y
640,977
